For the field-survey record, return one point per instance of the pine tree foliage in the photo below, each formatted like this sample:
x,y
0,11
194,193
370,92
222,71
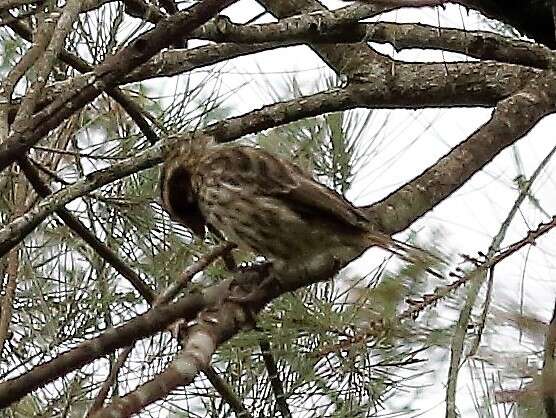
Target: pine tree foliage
x,y
376,340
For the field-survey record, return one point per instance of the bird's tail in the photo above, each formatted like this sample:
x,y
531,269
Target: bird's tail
x,y
405,251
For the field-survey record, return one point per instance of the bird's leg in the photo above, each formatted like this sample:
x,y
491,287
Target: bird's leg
x,y
283,275
256,294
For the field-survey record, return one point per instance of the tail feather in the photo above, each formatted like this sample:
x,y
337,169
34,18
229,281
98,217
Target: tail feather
x,y
405,251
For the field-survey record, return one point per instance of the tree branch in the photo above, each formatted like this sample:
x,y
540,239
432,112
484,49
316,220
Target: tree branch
x,y
431,299
328,28
461,327
154,320
354,95
510,121
408,94
107,75
229,318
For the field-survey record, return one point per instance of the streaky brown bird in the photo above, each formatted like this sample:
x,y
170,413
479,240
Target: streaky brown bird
x,y
264,204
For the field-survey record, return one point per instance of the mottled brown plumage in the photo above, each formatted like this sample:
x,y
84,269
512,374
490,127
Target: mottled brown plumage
x,y
262,203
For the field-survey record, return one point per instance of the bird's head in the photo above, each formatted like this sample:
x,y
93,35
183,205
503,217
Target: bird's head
x,y
178,195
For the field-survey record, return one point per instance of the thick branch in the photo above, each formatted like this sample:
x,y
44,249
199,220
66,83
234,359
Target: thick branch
x,y
349,59
407,94
323,28
355,95
174,62
477,82
511,120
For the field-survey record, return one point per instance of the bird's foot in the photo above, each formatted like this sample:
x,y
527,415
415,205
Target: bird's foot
x,y
257,294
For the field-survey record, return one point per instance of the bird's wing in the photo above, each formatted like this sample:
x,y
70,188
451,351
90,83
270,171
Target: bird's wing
x,y
306,192
267,175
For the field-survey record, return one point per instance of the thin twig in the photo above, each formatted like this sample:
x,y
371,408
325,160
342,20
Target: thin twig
x,y
173,288
109,382
77,154
457,344
227,393
275,382
428,300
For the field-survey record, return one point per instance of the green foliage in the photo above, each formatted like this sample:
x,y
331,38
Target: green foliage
x,y
330,146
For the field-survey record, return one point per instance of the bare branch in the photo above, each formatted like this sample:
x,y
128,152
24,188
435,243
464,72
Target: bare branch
x,y
110,381
44,64
328,28
511,120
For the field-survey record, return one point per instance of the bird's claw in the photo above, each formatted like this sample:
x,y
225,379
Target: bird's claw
x,y
256,295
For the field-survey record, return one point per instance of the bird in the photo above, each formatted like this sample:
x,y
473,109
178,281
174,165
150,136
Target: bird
x,y
265,204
